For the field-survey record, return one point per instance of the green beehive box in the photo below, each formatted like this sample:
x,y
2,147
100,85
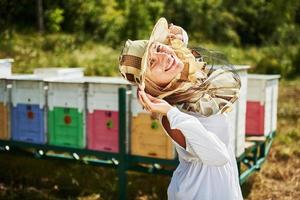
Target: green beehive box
x,y
66,114
65,126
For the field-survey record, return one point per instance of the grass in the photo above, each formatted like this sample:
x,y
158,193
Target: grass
x,y
279,177
28,178
33,50
59,50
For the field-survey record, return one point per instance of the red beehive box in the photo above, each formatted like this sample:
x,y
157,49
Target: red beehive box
x,y
103,115
103,129
261,114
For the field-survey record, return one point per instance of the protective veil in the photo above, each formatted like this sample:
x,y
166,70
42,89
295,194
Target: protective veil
x,y
207,85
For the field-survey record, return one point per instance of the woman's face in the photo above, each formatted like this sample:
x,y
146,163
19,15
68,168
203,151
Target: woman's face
x,y
163,64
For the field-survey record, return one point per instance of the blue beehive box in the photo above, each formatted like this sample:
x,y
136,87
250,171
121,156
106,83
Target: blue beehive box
x,y
28,108
27,123
28,98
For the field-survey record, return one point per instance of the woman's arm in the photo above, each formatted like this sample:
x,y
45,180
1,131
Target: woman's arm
x,y
175,134
187,131
190,134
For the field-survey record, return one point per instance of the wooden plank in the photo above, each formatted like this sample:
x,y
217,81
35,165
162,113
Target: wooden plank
x,y
249,144
4,133
256,138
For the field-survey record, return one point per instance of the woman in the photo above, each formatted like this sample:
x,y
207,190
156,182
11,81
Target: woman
x,y
192,112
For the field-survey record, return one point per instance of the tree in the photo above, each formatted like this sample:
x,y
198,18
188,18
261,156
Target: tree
x,y
40,17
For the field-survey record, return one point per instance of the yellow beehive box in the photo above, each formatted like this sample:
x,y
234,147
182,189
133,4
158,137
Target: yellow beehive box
x,y
4,133
4,110
148,138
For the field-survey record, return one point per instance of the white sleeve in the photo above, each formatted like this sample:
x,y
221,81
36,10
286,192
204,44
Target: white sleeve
x,y
199,141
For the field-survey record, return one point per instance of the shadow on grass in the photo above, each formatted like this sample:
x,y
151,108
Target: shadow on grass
x,y
247,186
29,178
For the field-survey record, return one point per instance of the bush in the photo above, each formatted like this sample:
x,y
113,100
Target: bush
x,y
268,65
283,59
287,34
296,63
54,18
58,43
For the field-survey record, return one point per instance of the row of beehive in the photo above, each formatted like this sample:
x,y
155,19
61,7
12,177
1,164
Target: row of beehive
x,y
54,111
58,115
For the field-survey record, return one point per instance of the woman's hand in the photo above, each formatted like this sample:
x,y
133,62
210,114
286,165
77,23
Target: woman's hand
x,y
176,32
152,104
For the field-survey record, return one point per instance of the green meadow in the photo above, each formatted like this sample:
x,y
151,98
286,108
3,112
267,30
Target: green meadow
x,y
29,178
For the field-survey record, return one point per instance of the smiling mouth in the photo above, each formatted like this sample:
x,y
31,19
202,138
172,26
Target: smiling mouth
x,y
171,64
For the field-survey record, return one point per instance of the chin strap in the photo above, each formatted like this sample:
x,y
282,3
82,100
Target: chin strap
x,y
184,75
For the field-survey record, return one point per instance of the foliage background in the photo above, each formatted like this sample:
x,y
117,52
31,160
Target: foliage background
x,y
90,33
78,33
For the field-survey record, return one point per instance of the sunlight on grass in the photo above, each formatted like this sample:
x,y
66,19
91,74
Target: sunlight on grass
x,y
59,51
65,50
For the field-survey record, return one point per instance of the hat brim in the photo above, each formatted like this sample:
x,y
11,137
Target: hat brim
x,y
160,34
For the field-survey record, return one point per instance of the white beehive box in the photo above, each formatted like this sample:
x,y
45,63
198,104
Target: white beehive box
x,y
66,112
102,92
3,91
262,91
103,108
30,88
136,107
27,89
66,93
238,114
5,67
59,72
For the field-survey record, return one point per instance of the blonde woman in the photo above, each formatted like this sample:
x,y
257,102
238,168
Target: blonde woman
x,y
191,100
